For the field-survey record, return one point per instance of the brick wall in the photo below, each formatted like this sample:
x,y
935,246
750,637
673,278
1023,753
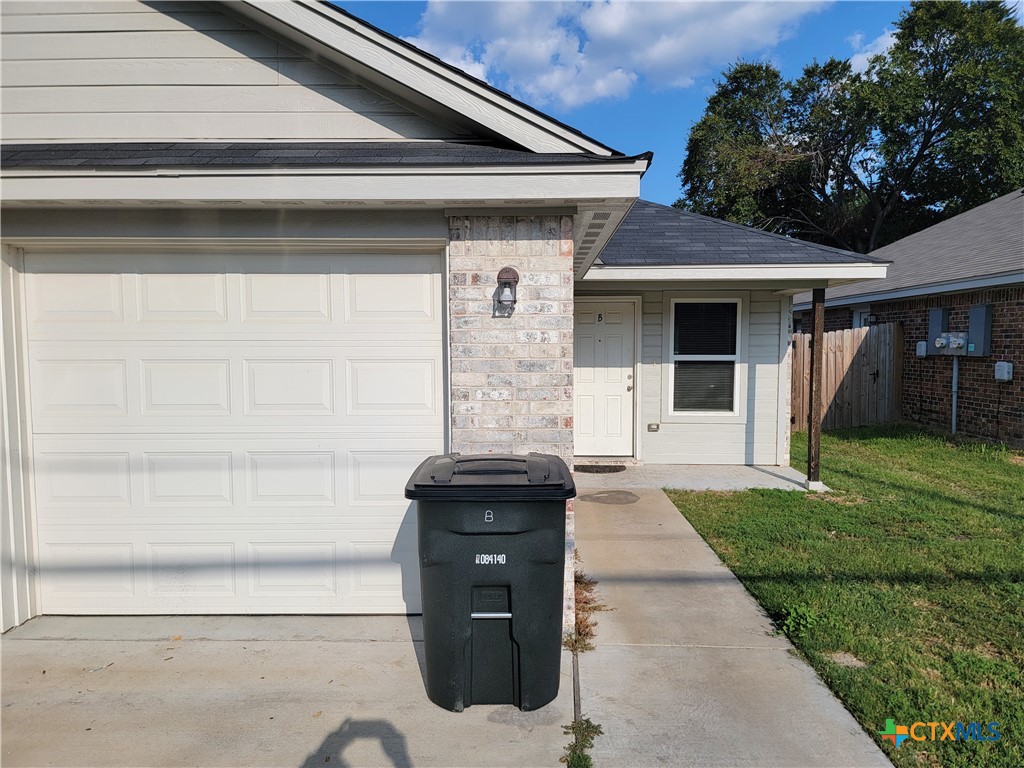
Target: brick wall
x,y
836,319
985,408
511,377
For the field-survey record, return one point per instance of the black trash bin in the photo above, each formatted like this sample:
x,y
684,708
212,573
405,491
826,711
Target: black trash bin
x,y
492,558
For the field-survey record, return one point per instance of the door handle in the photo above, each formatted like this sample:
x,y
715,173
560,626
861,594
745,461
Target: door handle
x,y
629,388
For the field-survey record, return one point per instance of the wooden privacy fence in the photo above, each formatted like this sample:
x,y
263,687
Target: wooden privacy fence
x,y
861,380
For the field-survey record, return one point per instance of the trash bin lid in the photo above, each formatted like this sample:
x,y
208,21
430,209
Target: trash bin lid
x,y
538,476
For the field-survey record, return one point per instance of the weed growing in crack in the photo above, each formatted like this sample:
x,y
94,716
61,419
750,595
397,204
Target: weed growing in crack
x,y
582,729
583,733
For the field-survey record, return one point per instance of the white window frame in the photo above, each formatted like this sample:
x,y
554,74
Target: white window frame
x,y
738,413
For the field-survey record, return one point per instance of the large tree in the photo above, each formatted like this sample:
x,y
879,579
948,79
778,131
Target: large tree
x,y
933,127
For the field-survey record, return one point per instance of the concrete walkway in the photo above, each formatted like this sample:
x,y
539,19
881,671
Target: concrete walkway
x,y
687,669
306,692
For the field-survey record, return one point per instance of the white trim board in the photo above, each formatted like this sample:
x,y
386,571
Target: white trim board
x,y
836,274
406,188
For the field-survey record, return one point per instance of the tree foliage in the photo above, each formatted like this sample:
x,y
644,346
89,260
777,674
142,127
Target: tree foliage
x,y
856,160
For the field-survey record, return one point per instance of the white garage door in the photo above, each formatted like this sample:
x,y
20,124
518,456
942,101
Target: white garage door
x,y
231,433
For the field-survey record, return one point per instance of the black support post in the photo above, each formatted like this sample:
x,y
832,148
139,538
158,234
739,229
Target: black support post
x,y
814,412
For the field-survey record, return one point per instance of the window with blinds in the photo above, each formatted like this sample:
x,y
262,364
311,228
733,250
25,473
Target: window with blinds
x,y
705,344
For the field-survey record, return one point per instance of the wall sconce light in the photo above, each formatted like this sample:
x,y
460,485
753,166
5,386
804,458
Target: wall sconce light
x,y
871,319
508,279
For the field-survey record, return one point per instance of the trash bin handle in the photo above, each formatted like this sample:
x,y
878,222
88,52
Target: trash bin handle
x,y
443,471
537,469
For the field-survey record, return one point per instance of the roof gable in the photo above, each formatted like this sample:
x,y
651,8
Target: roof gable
x,y
134,71
245,70
388,64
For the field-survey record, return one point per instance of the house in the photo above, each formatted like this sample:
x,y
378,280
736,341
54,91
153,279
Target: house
x,y
975,258
250,280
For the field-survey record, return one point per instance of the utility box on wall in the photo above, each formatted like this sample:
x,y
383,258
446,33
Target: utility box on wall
x,y
976,342
938,324
979,331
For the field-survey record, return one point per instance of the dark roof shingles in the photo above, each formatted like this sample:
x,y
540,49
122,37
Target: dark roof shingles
x,y
657,235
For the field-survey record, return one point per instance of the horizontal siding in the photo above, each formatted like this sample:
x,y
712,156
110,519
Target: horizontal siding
x,y
242,126
97,73
117,22
63,7
187,44
209,99
753,442
127,71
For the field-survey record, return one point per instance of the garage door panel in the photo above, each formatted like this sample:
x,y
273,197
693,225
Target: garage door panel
x,y
291,298
81,388
85,481
360,571
67,300
133,387
231,434
182,297
177,298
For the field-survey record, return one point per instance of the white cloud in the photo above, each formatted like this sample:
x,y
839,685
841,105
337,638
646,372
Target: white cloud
x,y
570,53
863,53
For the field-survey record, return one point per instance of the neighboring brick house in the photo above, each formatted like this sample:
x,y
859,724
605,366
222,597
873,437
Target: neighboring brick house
x,y
974,258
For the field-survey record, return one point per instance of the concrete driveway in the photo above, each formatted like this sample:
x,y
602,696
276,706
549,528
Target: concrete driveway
x,y
245,691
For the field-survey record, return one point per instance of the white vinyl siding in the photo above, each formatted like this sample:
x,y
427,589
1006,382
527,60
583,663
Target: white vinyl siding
x,y
701,438
186,72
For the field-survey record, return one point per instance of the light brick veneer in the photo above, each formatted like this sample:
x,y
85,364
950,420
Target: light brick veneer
x,y
511,377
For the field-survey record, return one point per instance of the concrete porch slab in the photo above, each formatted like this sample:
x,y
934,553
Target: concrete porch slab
x,y
695,477
256,691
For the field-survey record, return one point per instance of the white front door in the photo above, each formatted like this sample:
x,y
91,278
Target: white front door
x,y
604,348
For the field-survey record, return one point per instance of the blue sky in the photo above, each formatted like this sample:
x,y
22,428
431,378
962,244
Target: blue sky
x,y
633,75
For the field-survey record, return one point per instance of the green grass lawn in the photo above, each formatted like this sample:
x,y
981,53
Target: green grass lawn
x,y
903,587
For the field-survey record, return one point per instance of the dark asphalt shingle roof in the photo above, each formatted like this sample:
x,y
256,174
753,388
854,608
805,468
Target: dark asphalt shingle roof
x,y
285,154
654,235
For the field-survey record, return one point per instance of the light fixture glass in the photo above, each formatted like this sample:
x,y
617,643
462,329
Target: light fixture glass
x,y
508,279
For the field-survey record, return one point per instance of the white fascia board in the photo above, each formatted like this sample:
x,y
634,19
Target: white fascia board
x,y
376,57
490,185
835,274
1009,278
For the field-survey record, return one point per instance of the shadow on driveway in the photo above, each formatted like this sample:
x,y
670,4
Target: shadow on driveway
x,y
331,751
